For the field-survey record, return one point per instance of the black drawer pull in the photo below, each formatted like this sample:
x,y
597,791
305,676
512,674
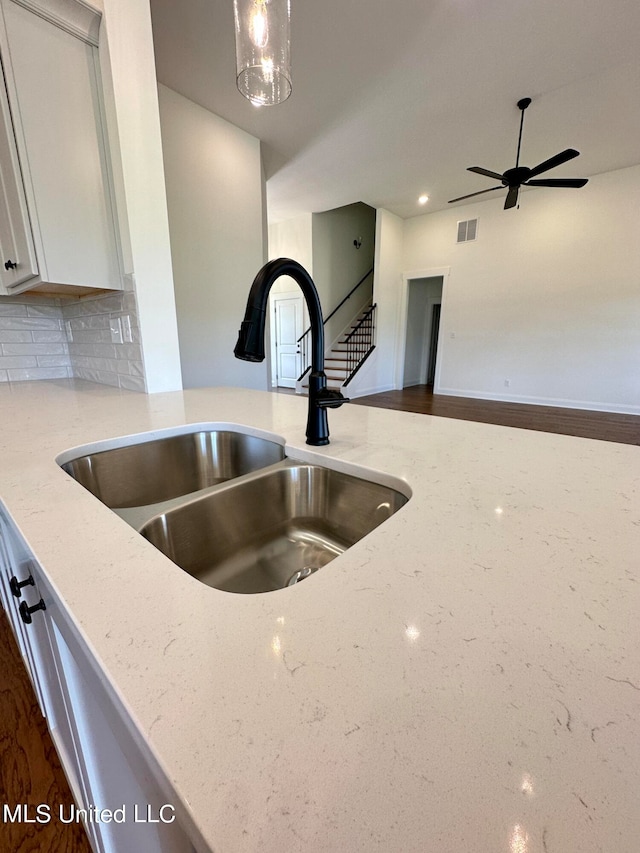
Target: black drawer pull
x,y
16,585
26,611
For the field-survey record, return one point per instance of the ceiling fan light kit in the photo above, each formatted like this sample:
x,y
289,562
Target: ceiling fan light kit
x,y
263,63
519,176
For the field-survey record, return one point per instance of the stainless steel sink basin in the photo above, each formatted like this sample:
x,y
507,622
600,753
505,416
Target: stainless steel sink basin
x,y
164,468
272,529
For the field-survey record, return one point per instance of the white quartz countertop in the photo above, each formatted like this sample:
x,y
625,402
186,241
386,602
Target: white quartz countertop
x,y
465,679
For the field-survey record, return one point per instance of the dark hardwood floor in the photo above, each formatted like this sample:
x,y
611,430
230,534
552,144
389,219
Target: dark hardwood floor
x,y
30,772
605,426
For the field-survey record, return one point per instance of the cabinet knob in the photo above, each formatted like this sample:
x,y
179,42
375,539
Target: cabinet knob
x,y
26,611
16,585
10,265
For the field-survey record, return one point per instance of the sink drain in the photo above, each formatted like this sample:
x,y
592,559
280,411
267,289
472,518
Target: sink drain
x,y
301,574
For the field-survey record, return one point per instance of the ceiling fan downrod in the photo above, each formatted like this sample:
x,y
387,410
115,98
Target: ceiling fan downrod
x,y
523,103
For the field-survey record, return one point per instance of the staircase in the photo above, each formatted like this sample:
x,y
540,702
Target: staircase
x,y
350,352
339,362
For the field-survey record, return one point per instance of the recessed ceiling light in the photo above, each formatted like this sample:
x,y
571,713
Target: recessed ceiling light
x,y
423,199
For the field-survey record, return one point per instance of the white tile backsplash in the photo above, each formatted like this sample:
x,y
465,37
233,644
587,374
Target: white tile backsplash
x,y
93,355
34,343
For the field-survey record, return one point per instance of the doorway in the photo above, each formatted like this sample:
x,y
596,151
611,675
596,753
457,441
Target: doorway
x,y
424,298
287,327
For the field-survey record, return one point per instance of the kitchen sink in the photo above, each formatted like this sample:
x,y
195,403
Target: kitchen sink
x,y
160,469
272,529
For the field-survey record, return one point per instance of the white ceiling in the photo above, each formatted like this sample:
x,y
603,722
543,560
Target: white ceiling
x,y
393,98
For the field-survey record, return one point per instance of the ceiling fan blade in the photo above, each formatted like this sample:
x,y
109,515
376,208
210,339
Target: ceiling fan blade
x,y
558,182
512,197
552,162
480,171
490,190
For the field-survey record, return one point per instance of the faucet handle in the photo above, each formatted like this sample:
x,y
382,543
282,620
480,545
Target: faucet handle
x,y
330,398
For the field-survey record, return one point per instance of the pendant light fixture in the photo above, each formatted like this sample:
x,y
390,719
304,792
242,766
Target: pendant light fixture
x,y
262,50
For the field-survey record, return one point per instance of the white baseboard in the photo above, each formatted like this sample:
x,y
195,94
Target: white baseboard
x,y
365,392
588,405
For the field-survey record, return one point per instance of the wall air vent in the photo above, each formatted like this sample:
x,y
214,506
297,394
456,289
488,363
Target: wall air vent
x,y
467,230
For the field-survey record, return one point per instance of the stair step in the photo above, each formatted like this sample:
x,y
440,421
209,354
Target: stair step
x,y
331,383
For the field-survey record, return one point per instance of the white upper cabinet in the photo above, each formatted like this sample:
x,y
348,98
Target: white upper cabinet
x,y
57,214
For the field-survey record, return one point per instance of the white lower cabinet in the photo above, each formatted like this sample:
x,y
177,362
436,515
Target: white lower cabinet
x,y
127,807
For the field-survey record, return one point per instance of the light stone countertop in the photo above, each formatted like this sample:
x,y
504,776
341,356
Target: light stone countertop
x,y
465,679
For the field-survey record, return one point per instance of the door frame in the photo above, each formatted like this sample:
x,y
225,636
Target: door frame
x,y
401,323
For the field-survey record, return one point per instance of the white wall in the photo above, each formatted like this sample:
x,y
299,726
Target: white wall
x,y
291,239
338,265
547,298
214,194
128,68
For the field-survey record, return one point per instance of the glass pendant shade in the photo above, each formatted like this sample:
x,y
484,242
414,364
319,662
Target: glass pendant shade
x,y
262,50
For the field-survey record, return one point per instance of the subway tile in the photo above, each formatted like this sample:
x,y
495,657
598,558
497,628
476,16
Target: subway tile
x,y
99,305
8,362
133,383
48,337
129,282
8,336
92,321
44,311
131,352
20,375
12,309
85,361
54,361
70,310
33,349
93,350
30,323
91,336
105,304
130,304
34,343
100,376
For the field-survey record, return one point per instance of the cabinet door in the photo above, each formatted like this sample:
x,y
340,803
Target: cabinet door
x,y
55,96
34,640
18,564
17,252
9,569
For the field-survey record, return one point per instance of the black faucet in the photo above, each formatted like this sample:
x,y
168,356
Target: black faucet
x,y
250,346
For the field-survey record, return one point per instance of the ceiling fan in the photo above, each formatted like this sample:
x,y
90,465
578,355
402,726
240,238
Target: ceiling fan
x,y
520,176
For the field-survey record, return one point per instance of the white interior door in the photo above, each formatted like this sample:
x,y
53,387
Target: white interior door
x,y
288,319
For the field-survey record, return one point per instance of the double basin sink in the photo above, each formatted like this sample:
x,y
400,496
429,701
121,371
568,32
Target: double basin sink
x,y
231,509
